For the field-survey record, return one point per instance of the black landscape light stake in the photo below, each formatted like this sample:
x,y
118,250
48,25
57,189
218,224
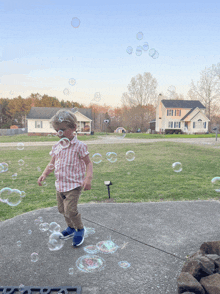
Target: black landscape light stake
x,y
216,132
108,183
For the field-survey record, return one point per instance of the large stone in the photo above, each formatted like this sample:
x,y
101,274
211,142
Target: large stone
x,y
215,258
211,284
186,282
199,267
210,247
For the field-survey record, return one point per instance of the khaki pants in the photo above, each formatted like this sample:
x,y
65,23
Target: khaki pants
x,y
67,205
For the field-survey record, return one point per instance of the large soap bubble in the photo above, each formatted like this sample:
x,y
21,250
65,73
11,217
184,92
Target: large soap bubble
x,y
54,227
3,167
130,155
10,196
111,156
64,143
90,263
55,243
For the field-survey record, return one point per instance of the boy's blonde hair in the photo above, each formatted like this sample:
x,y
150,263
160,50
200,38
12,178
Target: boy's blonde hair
x,y
66,116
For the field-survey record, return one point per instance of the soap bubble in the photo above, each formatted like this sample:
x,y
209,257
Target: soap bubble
x,y
75,22
55,243
14,197
139,35
29,232
75,109
107,246
21,288
60,119
19,243
171,88
14,176
90,263
91,249
20,146
21,162
153,53
130,155
44,227
145,46
64,143
97,158
111,156
124,264
40,219
3,167
60,133
66,91
72,82
129,50
97,97
54,227
138,50
38,169
120,133
216,184
44,184
71,271
177,167
34,257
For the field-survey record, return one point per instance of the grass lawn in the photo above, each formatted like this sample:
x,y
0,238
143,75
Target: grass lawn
x,y
149,177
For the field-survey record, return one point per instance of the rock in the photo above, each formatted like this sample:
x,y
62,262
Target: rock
x,y
211,247
211,284
199,267
186,282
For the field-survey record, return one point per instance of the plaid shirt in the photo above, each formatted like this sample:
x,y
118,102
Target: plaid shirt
x,y
69,167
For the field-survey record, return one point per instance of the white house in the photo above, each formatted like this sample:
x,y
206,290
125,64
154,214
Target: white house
x,y
38,120
186,116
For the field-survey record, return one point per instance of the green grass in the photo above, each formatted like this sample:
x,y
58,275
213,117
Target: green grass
x,y
149,177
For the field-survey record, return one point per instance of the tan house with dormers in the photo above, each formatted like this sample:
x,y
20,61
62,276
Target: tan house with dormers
x,y
187,116
38,120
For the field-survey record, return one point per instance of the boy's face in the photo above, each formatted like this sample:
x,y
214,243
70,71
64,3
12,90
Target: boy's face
x,y
63,131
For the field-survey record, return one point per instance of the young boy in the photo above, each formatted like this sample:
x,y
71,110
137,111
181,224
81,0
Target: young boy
x,y
70,162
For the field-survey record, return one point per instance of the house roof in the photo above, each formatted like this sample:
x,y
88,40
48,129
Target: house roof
x,y
187,114
49,112
182,104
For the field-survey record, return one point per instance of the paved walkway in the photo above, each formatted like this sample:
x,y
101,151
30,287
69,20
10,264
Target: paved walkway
x,y
197,141
154,238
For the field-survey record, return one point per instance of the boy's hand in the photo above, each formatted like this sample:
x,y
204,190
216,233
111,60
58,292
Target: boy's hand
x,y
87,184
41,179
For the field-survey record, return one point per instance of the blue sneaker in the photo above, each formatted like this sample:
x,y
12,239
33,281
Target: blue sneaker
x,y
68,233
78,237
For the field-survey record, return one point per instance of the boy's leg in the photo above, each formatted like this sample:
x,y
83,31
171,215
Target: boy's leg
x,y
71,214
60,205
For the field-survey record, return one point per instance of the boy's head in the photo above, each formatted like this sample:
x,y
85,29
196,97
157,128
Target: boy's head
x,y
65,121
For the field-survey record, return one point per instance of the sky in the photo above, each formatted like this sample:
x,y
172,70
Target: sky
x,y
40,51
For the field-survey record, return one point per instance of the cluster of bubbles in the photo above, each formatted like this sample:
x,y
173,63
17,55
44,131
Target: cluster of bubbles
x,y
92,262
152,52
10,196
112,157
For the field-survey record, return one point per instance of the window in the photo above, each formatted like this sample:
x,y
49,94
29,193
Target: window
x,y
169,112
176,124
170,124
204,125
178,112
38,124
194,125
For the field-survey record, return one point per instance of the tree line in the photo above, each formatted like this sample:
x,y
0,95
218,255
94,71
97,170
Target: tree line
x,y
138,103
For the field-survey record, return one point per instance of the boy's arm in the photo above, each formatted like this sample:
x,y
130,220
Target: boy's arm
x,y
49,168
89,173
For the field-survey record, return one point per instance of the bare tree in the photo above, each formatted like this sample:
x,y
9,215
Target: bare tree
x,y
207,90
141,91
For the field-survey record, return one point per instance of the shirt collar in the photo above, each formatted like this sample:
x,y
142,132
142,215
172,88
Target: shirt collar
x,y
73,141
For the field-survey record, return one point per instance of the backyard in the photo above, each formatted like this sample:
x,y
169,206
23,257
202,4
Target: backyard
x,y
149,177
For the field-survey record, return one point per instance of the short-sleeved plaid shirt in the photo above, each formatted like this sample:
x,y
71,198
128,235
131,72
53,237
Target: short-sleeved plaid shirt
x,y
69,167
